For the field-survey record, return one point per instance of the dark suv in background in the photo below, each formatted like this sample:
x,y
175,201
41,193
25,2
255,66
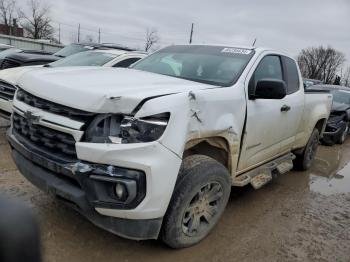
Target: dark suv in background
x,y
25,58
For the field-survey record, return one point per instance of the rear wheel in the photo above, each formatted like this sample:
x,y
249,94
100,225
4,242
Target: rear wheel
x,y
304,160
199,199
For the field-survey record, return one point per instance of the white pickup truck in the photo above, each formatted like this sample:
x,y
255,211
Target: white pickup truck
x,y
154,150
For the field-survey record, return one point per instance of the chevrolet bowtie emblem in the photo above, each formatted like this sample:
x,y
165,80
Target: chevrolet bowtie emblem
x,y
32,117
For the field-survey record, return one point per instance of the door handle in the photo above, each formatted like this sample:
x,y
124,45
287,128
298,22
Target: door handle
x,y
285,108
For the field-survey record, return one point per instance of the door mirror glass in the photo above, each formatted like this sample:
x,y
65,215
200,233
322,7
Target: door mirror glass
x,y
270,89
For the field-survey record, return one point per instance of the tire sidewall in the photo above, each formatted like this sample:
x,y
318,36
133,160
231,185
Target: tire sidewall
x,y
306,162
194,179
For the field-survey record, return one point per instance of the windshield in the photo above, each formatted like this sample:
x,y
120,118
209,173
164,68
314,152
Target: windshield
x,y
71,49
88,58
205,64
10,51
340,96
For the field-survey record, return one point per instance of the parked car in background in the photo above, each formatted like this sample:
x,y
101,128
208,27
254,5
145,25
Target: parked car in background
x,y
7,52
337,128
311,82
40,58
107,58
153,150
5,47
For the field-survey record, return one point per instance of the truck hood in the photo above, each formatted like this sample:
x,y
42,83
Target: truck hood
x,y
101,89
11,75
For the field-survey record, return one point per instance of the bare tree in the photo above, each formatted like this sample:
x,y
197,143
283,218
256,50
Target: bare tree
x,y
346,77
320,63
38,23
7,10
151,38
7,15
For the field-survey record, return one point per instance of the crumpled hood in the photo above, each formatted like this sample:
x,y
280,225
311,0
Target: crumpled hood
x,y
101,89
339,107
12,75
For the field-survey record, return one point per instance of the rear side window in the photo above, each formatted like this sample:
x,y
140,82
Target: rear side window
x,y
292,75
127,62
270,67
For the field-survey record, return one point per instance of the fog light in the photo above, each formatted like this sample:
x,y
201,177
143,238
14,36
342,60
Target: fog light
x,y
120,191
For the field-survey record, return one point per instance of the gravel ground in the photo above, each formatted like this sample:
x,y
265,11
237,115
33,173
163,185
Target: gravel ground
x,y
300,216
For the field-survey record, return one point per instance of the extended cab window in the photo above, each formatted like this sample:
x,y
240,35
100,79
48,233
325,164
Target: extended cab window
x,y
292,75
270,67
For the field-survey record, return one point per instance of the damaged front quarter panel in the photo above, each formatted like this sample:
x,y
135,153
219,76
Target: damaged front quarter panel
x,y
202,115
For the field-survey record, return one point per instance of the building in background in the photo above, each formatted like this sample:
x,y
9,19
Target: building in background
x,y
13,30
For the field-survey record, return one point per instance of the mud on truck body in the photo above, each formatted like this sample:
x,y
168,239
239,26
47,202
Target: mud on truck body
x,y
153,151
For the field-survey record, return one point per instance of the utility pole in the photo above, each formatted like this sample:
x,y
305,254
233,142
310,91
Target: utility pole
x,y
99,35
191,33
254,42
59,33
79,33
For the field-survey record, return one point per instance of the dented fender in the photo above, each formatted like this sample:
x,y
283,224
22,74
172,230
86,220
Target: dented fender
x,y
199,115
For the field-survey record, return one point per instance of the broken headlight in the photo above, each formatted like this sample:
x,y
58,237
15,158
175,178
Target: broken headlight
x,y
118,129
147,129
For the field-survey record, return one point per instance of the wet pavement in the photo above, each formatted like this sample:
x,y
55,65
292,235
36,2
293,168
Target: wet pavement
x,y
300,216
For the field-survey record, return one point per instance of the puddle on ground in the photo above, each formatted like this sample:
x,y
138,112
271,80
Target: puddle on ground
x,y
336,183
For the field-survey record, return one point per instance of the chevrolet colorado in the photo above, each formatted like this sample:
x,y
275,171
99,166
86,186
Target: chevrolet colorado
x,y
153,151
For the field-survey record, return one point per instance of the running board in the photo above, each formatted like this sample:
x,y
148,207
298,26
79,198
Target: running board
x,y
262,175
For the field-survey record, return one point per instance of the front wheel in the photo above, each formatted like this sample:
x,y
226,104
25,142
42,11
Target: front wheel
x,y
304,160
199,199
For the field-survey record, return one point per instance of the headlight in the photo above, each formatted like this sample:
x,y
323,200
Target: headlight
x,y
125,129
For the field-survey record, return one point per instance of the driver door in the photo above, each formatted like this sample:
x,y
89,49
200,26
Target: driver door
x,y
265,121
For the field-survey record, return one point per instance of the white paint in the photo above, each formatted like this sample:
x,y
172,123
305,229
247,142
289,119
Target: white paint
x,y
220,111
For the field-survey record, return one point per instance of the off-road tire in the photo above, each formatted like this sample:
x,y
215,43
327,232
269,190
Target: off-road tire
x,y
304,160
198,173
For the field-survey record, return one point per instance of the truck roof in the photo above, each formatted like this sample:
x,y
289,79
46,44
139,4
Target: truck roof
x,y
255,48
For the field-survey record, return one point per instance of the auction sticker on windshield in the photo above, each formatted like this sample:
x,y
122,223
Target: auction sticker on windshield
x,y
236,51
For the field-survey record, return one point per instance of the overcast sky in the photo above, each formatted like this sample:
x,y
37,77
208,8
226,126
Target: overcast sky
x,y
285,25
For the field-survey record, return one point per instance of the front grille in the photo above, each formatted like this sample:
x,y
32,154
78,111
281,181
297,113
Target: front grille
x,y
9,64
52,107
7,91
47,140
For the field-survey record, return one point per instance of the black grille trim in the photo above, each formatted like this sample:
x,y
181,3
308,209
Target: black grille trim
x,y
7,91
7,63
52,107
50,142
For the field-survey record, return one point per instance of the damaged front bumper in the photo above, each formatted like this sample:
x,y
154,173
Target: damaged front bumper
x,y
90,188
333,132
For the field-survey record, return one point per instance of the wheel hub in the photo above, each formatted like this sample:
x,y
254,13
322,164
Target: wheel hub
x,y
202,208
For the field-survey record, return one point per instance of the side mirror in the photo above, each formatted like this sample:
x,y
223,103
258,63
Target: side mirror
x,y
270,89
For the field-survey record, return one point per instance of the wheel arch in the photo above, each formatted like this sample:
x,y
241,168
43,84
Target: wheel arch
x,y
215,147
